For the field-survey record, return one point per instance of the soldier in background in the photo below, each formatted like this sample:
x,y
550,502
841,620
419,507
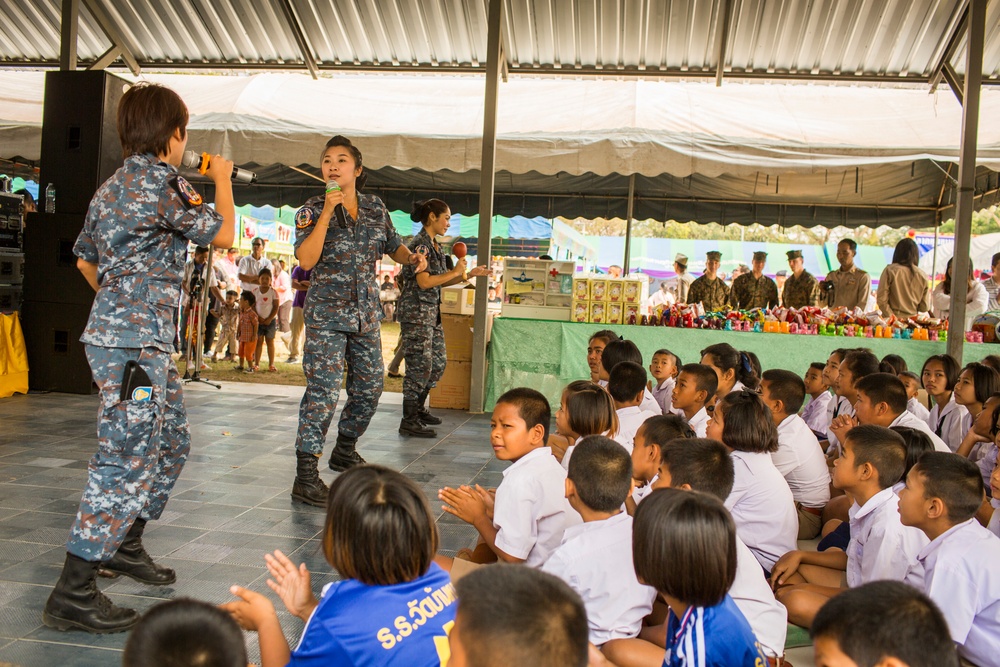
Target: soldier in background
x,y
848,286
801,288
709,290
680,284
753,289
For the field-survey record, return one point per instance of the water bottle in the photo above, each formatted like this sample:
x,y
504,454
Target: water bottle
x,y
50,198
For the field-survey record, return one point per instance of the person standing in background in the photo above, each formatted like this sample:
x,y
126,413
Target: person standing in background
x,y
250,266
992,284
847,287
283,286
975,293
709,289
680,284
753,289
903,289
300,285
801,288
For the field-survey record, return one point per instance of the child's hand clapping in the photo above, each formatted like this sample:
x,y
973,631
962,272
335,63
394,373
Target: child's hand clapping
x,y
467,504
292,584
251,611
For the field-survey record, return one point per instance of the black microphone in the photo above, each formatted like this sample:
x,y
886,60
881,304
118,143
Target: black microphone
x,y
201,161
339,209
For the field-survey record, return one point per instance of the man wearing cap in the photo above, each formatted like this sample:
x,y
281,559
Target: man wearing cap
x,y
251,265
848,286
801,288
662,297
709,289
680,285
754,289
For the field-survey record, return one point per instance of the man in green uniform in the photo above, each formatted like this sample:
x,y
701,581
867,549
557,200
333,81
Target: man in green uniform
x,y
709,289
801,288
753,289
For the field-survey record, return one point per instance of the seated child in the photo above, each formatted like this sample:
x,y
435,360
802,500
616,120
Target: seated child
x,y
664,368
870,462
185,632
526,520
892,364
761,502
799,458
509,615
978,442
814,414
593,555
584,409
649,441
595,348
976,383
733,369
831,375
856,365
616,352
949,420
381,537
959,566
229,316
627,385
881,400
695,388
248,330
884,623
912,383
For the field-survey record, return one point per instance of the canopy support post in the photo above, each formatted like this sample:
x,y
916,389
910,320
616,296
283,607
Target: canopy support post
x,y
961,262
69,29
113,34
494,56
628,225
300,37
721,36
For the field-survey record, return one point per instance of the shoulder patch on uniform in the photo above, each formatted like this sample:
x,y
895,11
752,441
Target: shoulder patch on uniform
x,y
186,191
422,249
304,217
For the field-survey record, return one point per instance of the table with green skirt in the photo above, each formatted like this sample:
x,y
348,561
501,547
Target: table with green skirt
x,y
547,355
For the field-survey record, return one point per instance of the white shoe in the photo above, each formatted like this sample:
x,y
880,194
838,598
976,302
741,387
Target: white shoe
x,y
205,367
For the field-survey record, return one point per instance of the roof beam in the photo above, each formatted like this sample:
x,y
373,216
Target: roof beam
x,y
106,58
721,39
68,29
954,81
300,37
950,42
113,34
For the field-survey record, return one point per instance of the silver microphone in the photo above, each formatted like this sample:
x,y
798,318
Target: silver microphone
x,y
200,161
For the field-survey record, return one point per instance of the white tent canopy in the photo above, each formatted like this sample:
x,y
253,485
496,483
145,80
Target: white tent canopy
x,y
981,251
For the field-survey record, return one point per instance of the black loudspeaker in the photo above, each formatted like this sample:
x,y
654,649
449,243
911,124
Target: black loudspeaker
x,y
56,360
80,145
50,272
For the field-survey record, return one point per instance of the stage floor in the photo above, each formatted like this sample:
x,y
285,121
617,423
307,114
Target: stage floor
x,y
230,506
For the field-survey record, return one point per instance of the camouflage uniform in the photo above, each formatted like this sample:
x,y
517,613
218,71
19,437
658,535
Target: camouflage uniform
x,y
342,315
749,292
419,313
713,294
800,292
137,231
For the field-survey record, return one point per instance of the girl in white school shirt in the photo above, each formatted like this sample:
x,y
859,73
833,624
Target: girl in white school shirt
x,y
949,420
585,409
734,368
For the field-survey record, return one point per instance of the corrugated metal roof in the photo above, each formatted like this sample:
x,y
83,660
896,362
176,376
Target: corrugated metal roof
x,y
858,40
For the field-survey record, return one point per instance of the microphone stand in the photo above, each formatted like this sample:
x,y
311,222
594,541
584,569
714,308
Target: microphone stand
x,y
199,335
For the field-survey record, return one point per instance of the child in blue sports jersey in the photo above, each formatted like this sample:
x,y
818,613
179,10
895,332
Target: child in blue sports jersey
x,y
693,533
394,606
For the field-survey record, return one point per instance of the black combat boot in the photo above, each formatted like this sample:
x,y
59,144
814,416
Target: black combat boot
x,y
77,603
345,455
411,424
308,488
423,413
133,561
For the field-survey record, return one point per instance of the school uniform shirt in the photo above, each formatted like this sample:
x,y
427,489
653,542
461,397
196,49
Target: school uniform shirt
x,y
716,636
815,414
841,406
629,421
663,394
909,420
987,462
767,617
881,547
800,461
530,511
960,574
595,559
402,624
640,492
950,423
763,508
649,403
918,409
699,422
737,386
994,525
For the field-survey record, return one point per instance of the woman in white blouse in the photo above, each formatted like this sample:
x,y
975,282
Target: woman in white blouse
x,y
976,297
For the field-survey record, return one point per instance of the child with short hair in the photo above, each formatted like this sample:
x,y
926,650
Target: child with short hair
x,y
881,400
664,368
247,333
892,364
799,458
761,501
584,409
977,444
912,383
959,565
882,623
595,348
831,375
870,463
695,388
814,414
856,365
185,632
229,316
266,303
947,418
615,353
976,383
381,537
526,520
592,556
627,386
510,615
649,441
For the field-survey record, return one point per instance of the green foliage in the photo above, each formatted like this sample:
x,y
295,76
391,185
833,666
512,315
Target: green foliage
x,y
986,221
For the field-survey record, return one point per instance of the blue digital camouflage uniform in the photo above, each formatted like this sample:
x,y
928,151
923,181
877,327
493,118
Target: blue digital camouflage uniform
x,y
419,314
137,232
342,317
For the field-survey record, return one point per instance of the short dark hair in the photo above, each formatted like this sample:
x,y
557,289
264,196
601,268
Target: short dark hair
x,y
28,199
985,380
343,142
265,270
995,259
661,429
787,387
917,444
618,351
531,405
233,292
993,361
705,378
860,363
954,479
747,423
422,210
695,534
248,296
882,448
148,116
727,357
892,363
626,381
886,619
817,366
182,632
950,366
850,243
884,388
516,615
601,470
663,350
703,464
200,250
910,375
379,528
591,409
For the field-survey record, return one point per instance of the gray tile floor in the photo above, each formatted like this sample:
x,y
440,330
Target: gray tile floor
x,y
230,506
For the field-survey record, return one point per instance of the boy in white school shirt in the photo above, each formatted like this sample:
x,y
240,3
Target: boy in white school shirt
x,y
799,458
912,383
627,386
816,413
595,557
696,385
958,568
664,368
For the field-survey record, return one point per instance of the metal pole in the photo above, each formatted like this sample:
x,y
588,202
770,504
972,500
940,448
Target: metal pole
x,y
477,388
937,226
628,225
961,262
68,33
